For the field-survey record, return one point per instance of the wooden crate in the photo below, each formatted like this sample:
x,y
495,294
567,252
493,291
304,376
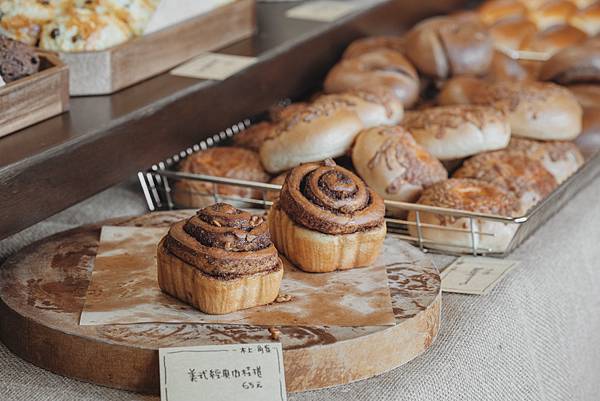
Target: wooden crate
x,y
35,98
105,72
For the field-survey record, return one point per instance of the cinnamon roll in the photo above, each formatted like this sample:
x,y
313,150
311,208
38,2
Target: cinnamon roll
x,y
394,165
327,219
525,177
318,131
450,233
220,260
380,68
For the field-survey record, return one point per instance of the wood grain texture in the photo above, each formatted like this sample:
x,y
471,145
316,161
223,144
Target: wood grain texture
x,y
143,57
42,291
35,98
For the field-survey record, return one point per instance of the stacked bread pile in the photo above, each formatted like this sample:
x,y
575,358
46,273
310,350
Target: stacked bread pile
x,y
74,25
482,135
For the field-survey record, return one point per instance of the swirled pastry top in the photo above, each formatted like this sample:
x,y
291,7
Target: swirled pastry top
x,y
330,199
223,242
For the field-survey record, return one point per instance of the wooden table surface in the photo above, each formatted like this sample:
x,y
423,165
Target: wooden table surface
x,y
105,139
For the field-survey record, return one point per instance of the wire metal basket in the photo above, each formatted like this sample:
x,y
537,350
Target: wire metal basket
x,y
157,184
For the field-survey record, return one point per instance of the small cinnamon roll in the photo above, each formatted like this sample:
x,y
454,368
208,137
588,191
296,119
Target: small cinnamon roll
x,y
327,219
220,260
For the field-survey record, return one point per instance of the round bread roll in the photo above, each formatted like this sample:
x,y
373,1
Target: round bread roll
x,y
494,11
587,20
321,130
574,65
509,34
228,162
373,108
470,196
553,39
382,68
552,13
254,136
368,44
537,110
505,68
560,158
278,113
589,98
443,46
581,4
454,132
534,4
393,164
523,176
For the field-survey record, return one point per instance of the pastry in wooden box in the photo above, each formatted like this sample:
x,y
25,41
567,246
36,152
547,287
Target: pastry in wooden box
x,y
227,162
17,60
22,20
220,260
451,233
135,13
327,219
394,165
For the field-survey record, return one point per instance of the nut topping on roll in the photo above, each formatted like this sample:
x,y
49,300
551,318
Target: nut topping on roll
x,y
454,132
377,69
330,199
220,260
525,177
224,242
393,164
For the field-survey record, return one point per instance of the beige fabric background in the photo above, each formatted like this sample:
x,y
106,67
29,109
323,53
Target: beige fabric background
x,y
534,337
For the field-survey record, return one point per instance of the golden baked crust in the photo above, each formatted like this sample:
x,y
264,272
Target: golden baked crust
x,y
509,34
576,64
394,165
525,177
279,113
552,13
553,39
220,251
587,20
368,44
229,162
505,68
379,68
253,137
491,12
444,46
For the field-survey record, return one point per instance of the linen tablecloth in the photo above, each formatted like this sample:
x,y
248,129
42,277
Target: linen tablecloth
x,y
536,336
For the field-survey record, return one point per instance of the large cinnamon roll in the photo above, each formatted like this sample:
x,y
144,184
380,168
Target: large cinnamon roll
x,y
327,219
220,260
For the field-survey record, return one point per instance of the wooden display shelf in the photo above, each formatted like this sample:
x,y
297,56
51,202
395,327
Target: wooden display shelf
x,y
106,139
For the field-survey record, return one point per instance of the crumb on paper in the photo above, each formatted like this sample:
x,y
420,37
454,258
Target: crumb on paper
x,y
275,333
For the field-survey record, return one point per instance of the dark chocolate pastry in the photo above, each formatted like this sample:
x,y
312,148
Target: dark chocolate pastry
x,y
17,60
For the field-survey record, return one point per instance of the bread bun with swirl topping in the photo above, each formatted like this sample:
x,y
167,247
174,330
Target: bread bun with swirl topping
x,y
220,260
327,219
317,132
230,162
525,177
441,47
536,110
379,68
451,233
394,165
455,132
560,158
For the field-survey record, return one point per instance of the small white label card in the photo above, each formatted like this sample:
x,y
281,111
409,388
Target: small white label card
x,y
322,11
230,372
475,274
213,66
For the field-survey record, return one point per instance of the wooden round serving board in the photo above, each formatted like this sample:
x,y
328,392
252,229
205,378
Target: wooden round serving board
x,y
42,292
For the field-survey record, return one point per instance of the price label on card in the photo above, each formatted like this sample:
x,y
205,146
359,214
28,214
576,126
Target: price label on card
x,y
322,11
475,275
213,66
249,372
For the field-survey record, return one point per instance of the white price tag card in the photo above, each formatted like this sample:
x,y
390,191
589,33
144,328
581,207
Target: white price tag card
x,y
231,372
213,66
322,11
475,275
